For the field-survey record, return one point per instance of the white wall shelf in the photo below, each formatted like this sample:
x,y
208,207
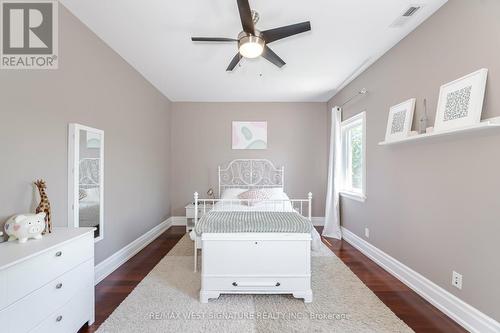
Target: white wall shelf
x,y
483,125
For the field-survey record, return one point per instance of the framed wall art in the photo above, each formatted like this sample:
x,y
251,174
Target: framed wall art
x,y
249,135
400,120
461,102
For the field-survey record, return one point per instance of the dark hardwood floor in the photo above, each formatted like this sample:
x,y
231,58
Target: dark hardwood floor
x,y
111,291
417,313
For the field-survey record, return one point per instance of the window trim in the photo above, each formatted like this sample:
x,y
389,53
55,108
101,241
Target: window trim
x,y
344,126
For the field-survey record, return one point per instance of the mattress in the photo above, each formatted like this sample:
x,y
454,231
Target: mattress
x,y
252,221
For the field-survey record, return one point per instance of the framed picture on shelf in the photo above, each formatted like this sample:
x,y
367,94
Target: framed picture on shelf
x,y
461,102
400,120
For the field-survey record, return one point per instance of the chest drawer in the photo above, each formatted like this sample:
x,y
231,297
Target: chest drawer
x,y
31,310
33,273
275,284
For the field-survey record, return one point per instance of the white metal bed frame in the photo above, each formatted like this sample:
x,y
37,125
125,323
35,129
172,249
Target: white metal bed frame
x,y
251,174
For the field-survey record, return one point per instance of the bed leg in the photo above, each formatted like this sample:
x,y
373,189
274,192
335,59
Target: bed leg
x,y
306,295
195,256
195,220
309,199
206,295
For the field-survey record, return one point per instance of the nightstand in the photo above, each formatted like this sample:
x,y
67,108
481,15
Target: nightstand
x,y
190,214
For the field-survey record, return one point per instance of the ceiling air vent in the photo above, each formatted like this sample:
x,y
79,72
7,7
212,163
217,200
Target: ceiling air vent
x,y
405,17
410,11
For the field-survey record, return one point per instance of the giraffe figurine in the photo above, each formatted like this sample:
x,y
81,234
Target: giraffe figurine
x,y
44,205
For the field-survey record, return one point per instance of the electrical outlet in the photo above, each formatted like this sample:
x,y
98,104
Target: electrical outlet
x,y
367,233
456,280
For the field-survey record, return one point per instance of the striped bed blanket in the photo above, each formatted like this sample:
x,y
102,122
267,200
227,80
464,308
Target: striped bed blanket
x,y
252,221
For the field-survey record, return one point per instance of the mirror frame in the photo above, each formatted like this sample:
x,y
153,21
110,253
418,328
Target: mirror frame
x,y
73,176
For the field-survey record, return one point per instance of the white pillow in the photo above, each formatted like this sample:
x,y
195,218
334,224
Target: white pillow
x,y
232,193
276,192
255,195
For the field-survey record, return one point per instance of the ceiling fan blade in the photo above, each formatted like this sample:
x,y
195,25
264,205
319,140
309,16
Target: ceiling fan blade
x,y
286,31
234,62
272,57
213,39
246,16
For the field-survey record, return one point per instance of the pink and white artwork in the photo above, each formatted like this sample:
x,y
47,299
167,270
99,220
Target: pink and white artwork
x,y
249,134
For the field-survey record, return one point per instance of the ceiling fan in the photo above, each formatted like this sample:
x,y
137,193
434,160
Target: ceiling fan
x,y
252,43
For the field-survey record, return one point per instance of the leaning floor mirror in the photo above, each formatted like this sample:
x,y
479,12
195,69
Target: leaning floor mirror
x,y
86,178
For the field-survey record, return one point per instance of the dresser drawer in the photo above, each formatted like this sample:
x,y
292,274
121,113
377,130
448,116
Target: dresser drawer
x,y
69,318
31,274
31,310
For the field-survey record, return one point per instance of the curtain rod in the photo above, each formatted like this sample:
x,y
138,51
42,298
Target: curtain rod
x,y
361,92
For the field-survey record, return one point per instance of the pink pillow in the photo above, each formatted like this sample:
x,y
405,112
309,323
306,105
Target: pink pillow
x,y
255,195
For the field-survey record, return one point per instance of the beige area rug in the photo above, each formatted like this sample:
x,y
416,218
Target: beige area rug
x,y
167,301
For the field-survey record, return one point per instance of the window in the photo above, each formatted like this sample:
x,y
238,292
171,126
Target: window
x,y
353,136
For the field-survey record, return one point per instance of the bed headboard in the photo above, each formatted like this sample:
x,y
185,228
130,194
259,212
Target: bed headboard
x,y
251,173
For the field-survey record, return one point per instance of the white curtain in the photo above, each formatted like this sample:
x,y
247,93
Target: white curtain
x,y
332,212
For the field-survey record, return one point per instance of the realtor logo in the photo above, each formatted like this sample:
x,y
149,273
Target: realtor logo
x,y
28,34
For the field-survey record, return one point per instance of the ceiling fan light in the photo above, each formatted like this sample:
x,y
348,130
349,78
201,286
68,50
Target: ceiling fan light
x,y
251,46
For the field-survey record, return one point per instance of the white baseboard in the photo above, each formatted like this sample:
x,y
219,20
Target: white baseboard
x,y
178,220
464,314
181,220
110,264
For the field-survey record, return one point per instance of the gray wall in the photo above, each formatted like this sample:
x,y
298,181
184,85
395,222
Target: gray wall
x,y
297,140
95,87
434,205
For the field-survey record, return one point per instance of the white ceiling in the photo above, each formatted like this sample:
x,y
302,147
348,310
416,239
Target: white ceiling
x,y
154,37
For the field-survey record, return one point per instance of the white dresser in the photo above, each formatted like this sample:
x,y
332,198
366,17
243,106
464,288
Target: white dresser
x,y
47,285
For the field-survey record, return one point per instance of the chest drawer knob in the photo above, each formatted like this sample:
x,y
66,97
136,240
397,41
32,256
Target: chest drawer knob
x,y
59,318
58,253
59,285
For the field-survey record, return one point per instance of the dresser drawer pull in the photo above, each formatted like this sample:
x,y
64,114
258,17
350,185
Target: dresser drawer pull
x,y
59,318
59,285
58,253
235,284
